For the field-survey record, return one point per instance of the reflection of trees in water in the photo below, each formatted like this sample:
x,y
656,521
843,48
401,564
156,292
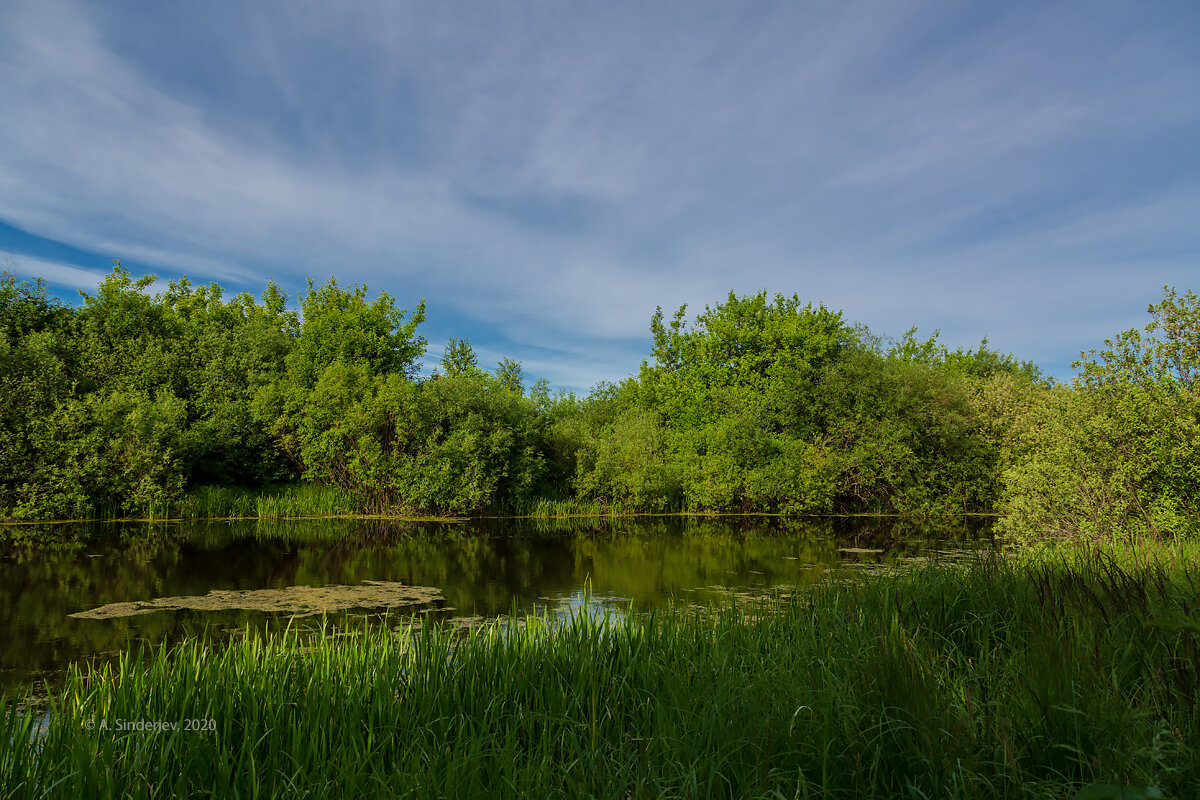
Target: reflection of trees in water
x,y
41,586
911,537
481,566
651,568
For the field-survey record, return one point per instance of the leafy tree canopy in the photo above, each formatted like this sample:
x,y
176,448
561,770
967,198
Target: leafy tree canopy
x,y
511,376
1165,351
740,343
981,363
342,325
25,307
459,358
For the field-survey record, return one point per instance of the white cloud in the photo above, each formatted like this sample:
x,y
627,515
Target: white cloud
x,y
52,271
867,160
65,275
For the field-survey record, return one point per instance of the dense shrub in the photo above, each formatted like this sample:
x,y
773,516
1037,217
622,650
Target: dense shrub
x,y
127,402
1118,453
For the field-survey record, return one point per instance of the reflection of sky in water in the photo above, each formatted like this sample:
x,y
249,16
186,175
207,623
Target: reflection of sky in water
x,y
597,605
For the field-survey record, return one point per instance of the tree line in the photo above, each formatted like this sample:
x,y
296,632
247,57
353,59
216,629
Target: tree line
x,y
759,404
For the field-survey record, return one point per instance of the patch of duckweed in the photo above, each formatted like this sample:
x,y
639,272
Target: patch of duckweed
x,y
300,601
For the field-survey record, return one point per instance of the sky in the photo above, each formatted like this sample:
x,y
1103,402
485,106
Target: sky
x,y
544,174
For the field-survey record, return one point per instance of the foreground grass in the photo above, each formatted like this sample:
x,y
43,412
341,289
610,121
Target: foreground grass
x,y
1029,677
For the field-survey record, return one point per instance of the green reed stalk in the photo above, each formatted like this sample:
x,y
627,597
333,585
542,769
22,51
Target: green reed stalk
x,y
1032,676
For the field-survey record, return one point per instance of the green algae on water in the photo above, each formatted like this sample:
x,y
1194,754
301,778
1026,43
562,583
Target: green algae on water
x,y
299,601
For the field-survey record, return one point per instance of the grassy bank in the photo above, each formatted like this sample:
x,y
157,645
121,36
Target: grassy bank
x,y
1028,677
294,501
309,500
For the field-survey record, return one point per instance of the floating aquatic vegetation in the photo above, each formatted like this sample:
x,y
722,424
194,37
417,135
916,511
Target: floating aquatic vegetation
x,y
299,601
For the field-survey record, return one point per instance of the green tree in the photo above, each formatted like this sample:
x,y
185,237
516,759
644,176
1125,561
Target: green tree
x,y
1166,352
478,445
231,351
1119,453
341,325
632,461
907,437
983,362
27,307
354,430
740,344
735,387
106,428
459,358
510,375
35,377
345,409
126,340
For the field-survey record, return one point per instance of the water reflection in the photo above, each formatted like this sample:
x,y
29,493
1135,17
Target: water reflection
x,y
481,568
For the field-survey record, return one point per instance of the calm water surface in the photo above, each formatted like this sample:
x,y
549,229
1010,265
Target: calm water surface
x,y
480,568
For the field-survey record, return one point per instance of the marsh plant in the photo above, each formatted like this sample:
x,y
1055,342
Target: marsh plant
x,y
1038,676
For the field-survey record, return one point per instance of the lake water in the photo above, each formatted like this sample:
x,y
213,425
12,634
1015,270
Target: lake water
x,y
154,584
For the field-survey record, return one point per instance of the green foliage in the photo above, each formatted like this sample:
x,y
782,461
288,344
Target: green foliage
x,y
907,436
981,363
124,340
90,419
478,445
1119,454
26,307
726,391
340,325
232,351
1166,352
459,358
454,445
114,406
774,406
760,404
35,376
571,426
114,454
349,432
510,375
282,501
740,345
342,409
632,460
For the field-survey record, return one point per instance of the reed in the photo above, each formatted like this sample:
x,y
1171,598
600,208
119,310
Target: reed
x,y
563,508
279,502
1033,676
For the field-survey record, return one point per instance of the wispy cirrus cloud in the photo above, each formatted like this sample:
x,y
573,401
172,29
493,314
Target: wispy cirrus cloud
x,y
63,275
546,175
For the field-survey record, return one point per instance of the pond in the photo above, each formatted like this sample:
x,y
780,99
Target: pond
x,y
74,592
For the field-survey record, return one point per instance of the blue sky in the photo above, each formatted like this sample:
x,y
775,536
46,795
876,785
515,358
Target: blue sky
x,y
545,174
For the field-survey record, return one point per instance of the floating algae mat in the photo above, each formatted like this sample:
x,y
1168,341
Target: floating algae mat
x,y
300,601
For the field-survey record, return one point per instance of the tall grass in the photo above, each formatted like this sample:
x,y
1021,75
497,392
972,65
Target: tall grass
x,y
1027,677
286,501
562,508
314,500
228,502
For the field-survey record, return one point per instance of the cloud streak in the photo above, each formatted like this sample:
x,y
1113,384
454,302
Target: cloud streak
x,y
546,175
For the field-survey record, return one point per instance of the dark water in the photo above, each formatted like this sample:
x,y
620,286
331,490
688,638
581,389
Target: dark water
x,y
480,568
